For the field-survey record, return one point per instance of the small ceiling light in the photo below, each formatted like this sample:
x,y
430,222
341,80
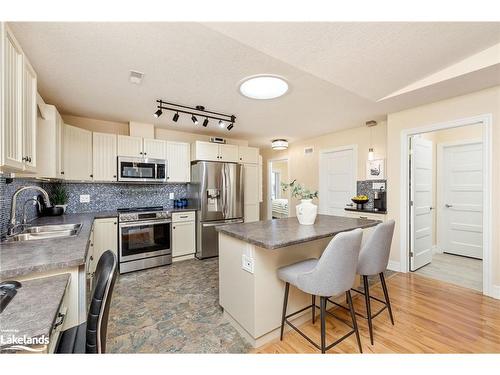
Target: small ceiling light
x,y
371,153
135,77
158,113
263,87
279,144
205,122
176,117
230,126
194,119
221,124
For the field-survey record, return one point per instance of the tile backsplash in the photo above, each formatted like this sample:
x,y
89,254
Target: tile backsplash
x,y
365,187
103,196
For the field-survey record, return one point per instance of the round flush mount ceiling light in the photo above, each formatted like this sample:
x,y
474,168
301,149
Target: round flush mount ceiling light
x,y
279,144
263,86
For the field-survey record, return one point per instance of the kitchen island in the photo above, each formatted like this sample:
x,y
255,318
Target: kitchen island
x,y
249,256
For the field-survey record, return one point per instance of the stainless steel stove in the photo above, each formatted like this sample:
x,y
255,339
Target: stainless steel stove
x,y
144,238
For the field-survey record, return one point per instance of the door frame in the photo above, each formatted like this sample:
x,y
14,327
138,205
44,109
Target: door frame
x,y
486,121
440,186
269,185
322,152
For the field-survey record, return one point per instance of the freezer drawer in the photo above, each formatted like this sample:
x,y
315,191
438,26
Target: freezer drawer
x,y
208,238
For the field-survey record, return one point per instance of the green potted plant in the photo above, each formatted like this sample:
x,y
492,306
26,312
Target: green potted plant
x,y
306,210
59,197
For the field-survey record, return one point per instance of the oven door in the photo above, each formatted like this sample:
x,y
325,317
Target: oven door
x,y
144,239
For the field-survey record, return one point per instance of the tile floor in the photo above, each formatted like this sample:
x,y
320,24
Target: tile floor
x,y
455,269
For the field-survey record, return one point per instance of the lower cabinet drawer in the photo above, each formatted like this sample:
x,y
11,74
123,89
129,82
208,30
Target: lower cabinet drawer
x,y
183,216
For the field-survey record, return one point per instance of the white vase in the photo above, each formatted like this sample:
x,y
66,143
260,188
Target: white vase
x,y
306,212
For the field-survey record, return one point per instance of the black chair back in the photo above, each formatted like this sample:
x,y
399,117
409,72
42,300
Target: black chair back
x,y
97,319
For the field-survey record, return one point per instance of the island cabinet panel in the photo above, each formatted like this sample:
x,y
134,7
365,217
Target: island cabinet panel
x,y
77,154
251,192
104,157
129,146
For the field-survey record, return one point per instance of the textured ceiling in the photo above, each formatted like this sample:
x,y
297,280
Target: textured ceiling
x,y
336,71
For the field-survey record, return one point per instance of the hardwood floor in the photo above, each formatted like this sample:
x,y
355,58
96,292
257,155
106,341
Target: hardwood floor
x,y
431,316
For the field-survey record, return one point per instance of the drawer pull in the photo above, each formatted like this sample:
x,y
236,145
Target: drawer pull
x,y
184,217
363,217
59,320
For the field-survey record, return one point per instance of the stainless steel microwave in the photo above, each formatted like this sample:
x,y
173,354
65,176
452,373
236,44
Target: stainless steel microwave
x,y
133,169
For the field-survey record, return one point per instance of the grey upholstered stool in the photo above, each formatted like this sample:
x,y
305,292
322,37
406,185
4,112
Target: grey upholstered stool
x,y
373,260
330,275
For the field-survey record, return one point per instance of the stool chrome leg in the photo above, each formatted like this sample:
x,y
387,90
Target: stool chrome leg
x,y
314,309
283,317
368,306
322,305
353,317
386,295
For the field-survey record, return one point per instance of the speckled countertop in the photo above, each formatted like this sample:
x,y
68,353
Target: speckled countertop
x,y
33,310
274,234
22,258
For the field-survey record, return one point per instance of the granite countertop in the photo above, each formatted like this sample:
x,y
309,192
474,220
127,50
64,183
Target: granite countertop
x,y
274,234
368,211
22,258
33,310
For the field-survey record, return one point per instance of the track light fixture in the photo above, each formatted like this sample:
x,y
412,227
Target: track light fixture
x,y
199,110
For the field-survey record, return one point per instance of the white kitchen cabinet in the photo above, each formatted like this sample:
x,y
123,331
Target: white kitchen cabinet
x,y
29,117
249,155
49,141
59,149
105,237
183,234
154,148
251,192
363,215
11,101
104,156
261,185
129,146
178,162
214,152
77,154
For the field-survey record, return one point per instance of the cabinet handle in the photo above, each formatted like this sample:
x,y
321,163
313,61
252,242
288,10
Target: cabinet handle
x,y
183,217
24,158
363,217
145,153
62,172
91,257
114,223
140,152
173,228
114,176
92,175
29,159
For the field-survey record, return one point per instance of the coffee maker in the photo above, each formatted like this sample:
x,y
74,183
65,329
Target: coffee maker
x,y
379,200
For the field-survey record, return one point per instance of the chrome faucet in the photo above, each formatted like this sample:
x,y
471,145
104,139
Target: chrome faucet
x,y
13,223
25,220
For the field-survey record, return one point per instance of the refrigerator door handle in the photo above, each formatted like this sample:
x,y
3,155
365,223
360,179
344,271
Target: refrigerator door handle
x,y
224,191
223,222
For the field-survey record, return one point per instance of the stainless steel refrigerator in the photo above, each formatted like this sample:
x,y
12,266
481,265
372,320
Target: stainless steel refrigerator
x,y
217,190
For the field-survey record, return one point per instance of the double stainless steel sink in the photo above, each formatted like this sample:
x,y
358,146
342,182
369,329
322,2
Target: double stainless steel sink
x,y
41,232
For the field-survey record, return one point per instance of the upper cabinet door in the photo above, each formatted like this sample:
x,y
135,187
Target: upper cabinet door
x,y
129,146
59,146
205,151
77,154
104,157
29,116
178,165
154,148
228,153
11,101
248,155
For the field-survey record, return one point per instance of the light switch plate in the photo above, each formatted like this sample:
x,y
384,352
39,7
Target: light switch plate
x,y
171,196
247,263
84,198
378,185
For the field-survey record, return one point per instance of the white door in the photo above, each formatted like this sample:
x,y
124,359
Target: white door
x,y
462,200
183,238
105,238
421,203
251,192
77,154
104,157
178,163
29,116
155,148
228,153
337,180
129,146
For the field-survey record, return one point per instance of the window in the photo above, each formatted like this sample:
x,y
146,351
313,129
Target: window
x,y
275,184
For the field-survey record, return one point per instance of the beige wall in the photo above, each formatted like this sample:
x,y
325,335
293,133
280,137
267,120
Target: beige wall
x,y
305,168
122,128
478,103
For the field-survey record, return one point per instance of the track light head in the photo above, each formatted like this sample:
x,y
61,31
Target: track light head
x,y
221,123
176,117
230,126
158,113
205,122
194,119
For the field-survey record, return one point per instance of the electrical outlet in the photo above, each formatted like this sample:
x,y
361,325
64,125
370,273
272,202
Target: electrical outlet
x,y
378,185
85,198
247,263
171,196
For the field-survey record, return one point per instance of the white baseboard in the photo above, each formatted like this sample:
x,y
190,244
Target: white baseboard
x,y
394,266
436,250
495,291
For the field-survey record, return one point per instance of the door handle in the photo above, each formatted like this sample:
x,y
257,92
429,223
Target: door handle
x,y
349,204
448,205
